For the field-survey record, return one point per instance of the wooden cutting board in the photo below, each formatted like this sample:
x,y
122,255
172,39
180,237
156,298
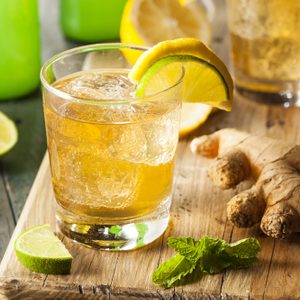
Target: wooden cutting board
x,y
198,209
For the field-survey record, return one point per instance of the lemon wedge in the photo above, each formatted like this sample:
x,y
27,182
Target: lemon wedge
x,y
147,22
192,116
206,79
185,2
8,134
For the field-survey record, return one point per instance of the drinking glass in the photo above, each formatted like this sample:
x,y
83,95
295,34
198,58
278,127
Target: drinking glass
x,y
266,49
111,153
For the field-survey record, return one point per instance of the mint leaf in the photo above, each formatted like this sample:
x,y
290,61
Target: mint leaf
x,y
172,270
243,253
193,250
190,251
214,261
221,255
207,248
142,230
115,230
207,255
245,248
187,247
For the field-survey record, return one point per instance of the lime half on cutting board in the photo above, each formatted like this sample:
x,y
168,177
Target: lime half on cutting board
x,y
40,250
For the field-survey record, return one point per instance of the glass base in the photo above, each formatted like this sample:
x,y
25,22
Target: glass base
x,y
283,93
284,98
114,236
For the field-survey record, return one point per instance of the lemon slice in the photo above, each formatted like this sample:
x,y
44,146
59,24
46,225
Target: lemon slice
x,y
8,134
147,22
206,79
192,116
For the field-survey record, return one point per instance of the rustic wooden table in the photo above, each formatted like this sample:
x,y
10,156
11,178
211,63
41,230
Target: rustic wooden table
x,y
198,207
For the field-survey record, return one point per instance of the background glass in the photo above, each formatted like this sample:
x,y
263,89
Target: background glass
x,y
265,48
112,161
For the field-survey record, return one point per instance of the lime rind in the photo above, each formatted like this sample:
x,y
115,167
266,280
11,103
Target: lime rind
x,y
156,67
31,245
8,134
45,266
182,46
218,85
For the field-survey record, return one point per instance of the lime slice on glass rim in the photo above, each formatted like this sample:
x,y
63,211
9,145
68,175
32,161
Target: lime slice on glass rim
x,y
8,134
40,250
206,78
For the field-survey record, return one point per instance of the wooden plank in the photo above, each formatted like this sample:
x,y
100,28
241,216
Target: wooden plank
x,y
283,268
198,209
88,271
27,218
22,163
7,222
279,123
191,215
250,117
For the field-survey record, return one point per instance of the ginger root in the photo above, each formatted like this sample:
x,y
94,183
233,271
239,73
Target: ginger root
x,y
274,199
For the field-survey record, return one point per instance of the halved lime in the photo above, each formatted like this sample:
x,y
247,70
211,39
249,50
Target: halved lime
x,y
206,78
40,250
8,133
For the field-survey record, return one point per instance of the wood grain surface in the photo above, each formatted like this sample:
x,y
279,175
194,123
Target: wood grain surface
x,y
198,208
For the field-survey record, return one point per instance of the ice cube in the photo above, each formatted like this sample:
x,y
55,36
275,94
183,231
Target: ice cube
x,y
100,86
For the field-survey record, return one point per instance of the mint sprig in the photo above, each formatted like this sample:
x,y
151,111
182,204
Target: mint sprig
x,y
204,256
173,270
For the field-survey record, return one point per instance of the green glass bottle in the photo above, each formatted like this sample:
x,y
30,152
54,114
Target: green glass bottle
x,y
19,48
91,20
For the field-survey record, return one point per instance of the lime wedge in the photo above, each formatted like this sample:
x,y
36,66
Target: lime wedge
x,y
40,250
206,78
8,134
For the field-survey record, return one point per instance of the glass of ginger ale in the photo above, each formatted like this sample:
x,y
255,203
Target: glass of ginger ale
x,y
265,48
111,154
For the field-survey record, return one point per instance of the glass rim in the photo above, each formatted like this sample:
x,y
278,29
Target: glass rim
x,y
94,48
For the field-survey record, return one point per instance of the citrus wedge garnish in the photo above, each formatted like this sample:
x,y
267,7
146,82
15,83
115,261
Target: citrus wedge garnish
x,y
206,78
147,22
192,116
185,2
8,134
40,250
